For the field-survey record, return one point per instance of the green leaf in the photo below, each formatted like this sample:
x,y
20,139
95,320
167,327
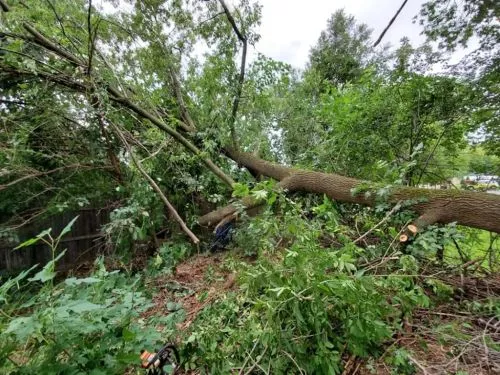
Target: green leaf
x,y
72,281
259,194
67,228
44,233
81,306
7,285
272,199
128,335
23,327
240,190
27,243
48,271
44,275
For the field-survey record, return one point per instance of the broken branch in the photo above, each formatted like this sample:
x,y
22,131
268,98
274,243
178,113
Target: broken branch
x,y
188,124
155,187
390,24
117,97
241,79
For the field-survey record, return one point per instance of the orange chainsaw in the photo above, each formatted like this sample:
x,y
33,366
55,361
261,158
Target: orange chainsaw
x,y
155,362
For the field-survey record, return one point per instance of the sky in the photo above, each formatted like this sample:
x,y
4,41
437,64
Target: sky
x,y
291,27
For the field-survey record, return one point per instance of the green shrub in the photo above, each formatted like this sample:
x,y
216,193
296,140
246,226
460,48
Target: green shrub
x,y
78,326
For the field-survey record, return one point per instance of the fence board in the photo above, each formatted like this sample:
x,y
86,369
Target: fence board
x,y
83,242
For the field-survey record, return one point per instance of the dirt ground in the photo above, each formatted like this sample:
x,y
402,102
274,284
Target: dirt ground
x,y
200,279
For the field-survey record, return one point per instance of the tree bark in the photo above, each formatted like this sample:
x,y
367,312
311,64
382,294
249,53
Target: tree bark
x,y
472,209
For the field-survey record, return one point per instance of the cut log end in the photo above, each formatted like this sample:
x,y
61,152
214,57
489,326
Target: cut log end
x,y
413,229
403,238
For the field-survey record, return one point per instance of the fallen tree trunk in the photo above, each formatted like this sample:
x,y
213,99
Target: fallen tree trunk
x,y
472,209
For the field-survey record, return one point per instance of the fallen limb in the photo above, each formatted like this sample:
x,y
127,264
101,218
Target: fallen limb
x,y
188,123
386,217
241,78
472,209
156,188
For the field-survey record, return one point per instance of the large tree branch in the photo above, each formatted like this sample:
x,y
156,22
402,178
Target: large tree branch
x,y
176,135
477,210
61,80
155,187
51,46
92,38
231,20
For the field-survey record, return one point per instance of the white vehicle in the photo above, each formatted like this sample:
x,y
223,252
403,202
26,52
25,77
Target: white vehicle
x,y
482,179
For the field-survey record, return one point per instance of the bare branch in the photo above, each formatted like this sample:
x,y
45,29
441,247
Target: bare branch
x,y
438,141
61,25
231,20
188,125
390,24
396,207
32,58
51,46
209,19
92,38
419,365
241,78
59,79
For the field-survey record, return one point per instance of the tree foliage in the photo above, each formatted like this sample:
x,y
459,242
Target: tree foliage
x,y
142,106
343,50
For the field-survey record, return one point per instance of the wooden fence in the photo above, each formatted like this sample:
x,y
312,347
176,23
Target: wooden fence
x,y
83,242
